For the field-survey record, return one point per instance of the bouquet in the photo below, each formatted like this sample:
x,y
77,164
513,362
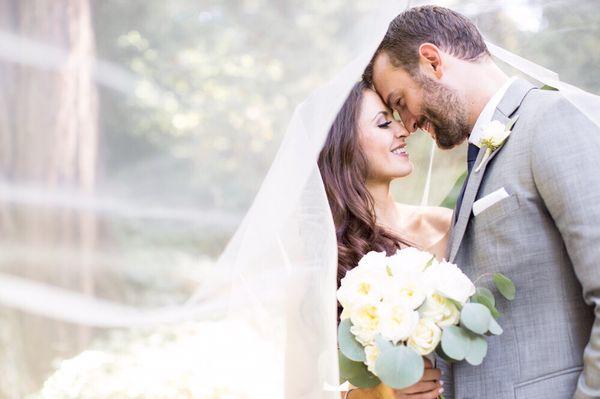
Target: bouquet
x,y
398,309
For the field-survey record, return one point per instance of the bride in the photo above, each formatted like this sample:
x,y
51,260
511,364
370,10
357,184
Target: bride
x,y
364,152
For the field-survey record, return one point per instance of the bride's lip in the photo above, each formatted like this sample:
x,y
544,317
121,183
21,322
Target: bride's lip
x,y
400,150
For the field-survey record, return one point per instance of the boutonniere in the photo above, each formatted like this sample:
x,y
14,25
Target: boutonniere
x,y
495,133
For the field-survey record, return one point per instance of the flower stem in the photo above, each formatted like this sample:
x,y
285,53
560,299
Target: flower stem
x,y
482,276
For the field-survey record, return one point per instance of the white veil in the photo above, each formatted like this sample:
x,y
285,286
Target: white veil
x,y
260,321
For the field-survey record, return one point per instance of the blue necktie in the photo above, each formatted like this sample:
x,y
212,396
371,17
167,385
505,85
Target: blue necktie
x,y
472,153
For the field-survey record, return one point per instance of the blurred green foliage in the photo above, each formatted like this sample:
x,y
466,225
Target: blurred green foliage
x,y
216,83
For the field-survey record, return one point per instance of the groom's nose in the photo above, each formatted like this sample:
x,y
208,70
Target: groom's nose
x,y
409,121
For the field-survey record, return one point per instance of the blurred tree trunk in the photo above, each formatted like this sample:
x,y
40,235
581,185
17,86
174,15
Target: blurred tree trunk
x,y
48,145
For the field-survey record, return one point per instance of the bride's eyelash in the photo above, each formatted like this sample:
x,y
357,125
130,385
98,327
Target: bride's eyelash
x,y
384,124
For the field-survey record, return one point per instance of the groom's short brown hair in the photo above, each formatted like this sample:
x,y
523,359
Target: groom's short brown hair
x,y
450,31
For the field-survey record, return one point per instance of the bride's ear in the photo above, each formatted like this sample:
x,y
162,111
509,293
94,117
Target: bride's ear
x,y
431,60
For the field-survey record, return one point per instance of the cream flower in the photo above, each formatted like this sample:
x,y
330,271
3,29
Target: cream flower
x,y
398,322
366,283
372,353
409,290
494,135
366,321
449,281
426,337
440,310
409,260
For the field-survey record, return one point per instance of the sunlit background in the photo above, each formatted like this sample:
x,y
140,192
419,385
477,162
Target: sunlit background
x,y
135,134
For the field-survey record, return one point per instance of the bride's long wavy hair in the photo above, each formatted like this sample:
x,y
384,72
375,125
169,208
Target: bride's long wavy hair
x,y
344,168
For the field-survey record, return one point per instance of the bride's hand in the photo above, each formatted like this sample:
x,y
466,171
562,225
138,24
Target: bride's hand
x,y
430,386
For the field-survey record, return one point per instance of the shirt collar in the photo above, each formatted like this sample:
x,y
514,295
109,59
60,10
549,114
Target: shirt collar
x,y
487,114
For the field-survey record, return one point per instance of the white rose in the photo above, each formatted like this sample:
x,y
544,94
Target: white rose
x,y
448,280
397,321
440,310
407,290
366,283
373,259
366,321
372,353
495,133
409,260
426,337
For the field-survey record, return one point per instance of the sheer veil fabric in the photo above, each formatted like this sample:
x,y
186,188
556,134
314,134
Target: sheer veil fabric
x,y
275,281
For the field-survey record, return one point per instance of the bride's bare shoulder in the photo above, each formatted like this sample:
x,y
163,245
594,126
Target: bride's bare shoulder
x,y
436,218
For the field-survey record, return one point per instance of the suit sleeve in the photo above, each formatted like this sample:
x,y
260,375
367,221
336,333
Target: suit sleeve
x,y
565,163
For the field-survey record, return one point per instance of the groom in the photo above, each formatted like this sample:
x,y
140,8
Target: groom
x,y
536,200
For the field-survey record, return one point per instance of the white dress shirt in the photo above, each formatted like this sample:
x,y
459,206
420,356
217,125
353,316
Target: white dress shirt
x,y
487,114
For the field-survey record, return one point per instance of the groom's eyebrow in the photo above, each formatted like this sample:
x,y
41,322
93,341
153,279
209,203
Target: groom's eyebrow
x,y
388,100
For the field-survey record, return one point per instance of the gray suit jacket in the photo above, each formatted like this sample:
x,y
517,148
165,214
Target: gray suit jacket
x,y
546,237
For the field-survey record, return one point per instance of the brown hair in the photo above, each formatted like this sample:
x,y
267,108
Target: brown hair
x,y
450,31
343,168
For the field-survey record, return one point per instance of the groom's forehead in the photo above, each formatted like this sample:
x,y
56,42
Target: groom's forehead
x,y
387,78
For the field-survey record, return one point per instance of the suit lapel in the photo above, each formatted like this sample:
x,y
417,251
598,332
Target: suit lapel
x,y
508,107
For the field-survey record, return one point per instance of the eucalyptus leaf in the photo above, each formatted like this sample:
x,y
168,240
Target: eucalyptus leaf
x,y
356,372
494,327
399,366
486,293
348,368
348,344
455,342
440,352
486,298
505,286
365,379
475,317
477,350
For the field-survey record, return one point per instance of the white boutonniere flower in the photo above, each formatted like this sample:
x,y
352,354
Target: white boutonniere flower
x,y
495,134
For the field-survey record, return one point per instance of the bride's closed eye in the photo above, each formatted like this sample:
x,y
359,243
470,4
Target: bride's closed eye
x,y
384,125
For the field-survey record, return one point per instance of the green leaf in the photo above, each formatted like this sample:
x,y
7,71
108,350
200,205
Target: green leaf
x,y
356,372
455,342
477,349
450,200
505,286
461,344
494,327
475,317
398,366
348,344
486,293
440,352
486,298
548,87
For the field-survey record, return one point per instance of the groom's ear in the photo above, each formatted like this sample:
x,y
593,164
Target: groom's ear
x,y
430,59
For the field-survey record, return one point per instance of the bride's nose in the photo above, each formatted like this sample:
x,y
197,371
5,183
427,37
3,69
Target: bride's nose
x,y
401,131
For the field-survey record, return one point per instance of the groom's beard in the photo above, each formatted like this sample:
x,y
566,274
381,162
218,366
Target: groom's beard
x,y
444,108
